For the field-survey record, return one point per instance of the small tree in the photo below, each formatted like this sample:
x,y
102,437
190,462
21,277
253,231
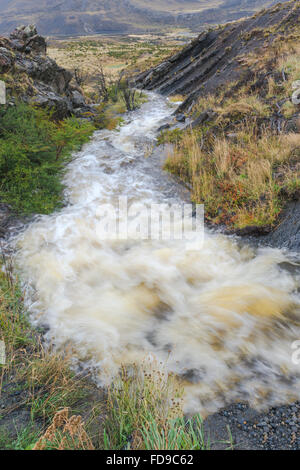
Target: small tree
x,y
111,90
102,85
128,94
80,77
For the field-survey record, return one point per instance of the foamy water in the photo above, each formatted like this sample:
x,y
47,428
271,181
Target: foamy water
x,y
223,317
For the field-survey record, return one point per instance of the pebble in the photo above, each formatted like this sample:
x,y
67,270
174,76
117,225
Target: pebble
x,y
278,429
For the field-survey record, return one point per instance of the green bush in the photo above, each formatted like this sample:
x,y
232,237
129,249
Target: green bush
x,y
33,153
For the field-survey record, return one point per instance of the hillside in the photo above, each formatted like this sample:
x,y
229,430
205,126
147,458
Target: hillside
x,y
79,17
239,152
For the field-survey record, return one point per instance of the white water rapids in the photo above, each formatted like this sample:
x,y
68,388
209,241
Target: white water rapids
x,y
223,318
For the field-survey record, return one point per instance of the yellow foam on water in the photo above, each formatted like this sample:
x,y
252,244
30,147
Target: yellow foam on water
x,y
256,300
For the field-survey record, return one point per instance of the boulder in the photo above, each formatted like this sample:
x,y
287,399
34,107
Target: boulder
x,y
43,81
180,117
85,112
45,70
23,33
164,127
60,105
77,99
17,45
26,39
207,115
287,234
37,44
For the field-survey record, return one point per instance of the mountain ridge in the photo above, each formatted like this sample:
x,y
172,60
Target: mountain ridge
x,y
83,17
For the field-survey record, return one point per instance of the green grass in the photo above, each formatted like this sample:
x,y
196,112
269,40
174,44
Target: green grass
x,y
33,152
179,434
25,440
15,330
145,412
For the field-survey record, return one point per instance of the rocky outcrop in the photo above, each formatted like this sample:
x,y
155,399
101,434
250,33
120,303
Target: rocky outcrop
x,y
35,78
214,58
26,39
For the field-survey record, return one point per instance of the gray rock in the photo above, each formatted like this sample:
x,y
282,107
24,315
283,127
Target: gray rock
x,y
48,84
205,116
287,234
84,112
17,45
45,70
180,118
24,32
60,105
162,68
163,127
77,99
6,60
37,44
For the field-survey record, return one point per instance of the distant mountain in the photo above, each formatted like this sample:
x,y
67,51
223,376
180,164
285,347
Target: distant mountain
x,y
80,17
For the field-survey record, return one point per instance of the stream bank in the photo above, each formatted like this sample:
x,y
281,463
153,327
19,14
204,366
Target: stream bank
x,y
113,298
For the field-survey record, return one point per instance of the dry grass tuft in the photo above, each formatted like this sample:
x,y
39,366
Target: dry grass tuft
x,y
176,98
237,179
65,433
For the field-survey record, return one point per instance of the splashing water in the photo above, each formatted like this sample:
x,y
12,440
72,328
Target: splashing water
x,y
223,318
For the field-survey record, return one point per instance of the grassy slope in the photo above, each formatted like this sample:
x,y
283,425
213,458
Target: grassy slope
x,y
35,382
243,161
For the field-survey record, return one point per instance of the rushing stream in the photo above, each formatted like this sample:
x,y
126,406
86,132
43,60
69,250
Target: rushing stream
x,y
223,317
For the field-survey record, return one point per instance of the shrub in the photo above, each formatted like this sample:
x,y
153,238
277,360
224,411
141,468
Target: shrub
x,y
33,152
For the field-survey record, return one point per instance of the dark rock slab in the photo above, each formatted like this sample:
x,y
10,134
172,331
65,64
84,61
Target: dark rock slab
x,y
213,59
287,234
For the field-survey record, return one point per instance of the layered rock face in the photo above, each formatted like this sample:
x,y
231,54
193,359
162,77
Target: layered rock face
x,y
215,60
33,77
